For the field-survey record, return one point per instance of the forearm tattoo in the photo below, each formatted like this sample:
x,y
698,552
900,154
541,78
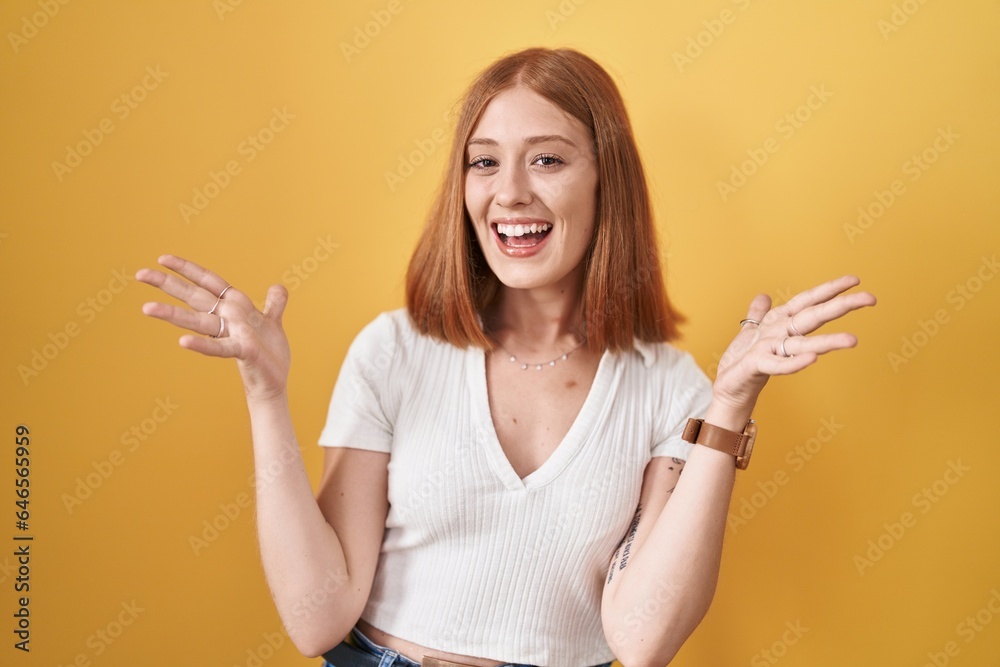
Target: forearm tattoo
x,y
678,464
624,549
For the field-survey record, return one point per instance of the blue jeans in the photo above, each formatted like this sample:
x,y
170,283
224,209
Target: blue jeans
x,y
367,653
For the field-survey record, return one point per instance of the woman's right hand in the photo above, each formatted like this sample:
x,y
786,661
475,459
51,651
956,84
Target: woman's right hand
x,y
230,327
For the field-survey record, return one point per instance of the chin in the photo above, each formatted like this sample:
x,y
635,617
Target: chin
x,y
523,277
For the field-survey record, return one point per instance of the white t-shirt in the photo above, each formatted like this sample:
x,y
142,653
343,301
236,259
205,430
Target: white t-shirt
x,y
476,560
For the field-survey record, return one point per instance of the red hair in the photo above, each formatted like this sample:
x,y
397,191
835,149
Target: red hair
x,y
449,283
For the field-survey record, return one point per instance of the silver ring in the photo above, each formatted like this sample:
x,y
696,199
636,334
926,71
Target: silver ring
x,y
219,299
782,348
222,327
791,325
748,321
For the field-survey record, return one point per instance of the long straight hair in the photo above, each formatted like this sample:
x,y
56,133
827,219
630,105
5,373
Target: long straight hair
x,y
449,283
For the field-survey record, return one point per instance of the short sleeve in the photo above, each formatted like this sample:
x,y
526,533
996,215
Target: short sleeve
x,y
360,413
687,393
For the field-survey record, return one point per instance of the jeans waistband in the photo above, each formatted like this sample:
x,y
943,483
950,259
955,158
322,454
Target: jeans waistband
x,y
387,657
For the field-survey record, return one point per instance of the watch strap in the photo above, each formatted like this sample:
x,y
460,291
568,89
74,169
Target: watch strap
x,y
721,439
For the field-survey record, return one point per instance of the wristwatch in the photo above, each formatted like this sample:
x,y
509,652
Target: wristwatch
x,y
739,445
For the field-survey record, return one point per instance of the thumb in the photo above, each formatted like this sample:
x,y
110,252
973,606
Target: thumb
x,y
274,305
759,307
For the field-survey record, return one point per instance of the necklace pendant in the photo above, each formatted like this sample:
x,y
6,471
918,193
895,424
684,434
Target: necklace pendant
x,y
541,366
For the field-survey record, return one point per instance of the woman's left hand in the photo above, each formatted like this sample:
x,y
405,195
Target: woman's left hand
x,y
780,344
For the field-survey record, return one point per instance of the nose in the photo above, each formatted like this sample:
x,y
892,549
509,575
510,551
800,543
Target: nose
x,y
513,187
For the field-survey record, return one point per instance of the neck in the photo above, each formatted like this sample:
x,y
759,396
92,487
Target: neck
x,y
540,318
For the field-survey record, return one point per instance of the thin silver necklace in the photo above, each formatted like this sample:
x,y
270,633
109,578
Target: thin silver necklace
x,y
539,366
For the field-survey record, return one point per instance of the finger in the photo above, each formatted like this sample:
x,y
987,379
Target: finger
x,y
819,294
196,297
198,322
778,365
277,299
199,275
211,347
199,297
820,344
813,317
758,309
210,281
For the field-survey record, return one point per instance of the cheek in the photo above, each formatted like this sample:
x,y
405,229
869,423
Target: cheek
x,y
475,198
573,200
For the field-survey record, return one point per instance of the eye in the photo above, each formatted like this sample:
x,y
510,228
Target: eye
x,y
482,163
548,160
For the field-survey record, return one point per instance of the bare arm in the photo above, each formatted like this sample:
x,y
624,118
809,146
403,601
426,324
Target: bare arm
x,y
655,599
662,580
319,554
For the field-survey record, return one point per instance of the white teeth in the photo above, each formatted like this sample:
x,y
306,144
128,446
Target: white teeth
x,y
521,230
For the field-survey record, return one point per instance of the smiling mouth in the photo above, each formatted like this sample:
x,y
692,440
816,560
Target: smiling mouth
x,y
522,236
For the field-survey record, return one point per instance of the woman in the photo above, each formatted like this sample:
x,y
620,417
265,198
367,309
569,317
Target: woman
x,y
501,453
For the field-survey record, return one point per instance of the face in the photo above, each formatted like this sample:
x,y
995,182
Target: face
x,y
531,189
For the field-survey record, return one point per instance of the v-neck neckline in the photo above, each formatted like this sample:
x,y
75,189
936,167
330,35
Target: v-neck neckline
x,y
568,446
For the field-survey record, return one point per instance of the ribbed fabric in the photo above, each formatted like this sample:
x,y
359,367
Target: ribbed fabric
x,y
475,560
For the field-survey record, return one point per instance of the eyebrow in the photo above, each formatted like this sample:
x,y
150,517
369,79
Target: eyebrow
x,y
544,138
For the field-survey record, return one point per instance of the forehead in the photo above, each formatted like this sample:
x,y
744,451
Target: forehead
x,y
519,113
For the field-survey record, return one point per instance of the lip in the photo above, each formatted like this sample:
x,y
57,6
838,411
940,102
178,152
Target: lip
x,y
518,252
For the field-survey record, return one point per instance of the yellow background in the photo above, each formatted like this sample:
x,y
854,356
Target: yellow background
x,y
357,116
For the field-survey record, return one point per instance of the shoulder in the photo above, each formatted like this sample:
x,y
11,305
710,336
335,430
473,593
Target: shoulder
x,y
392,339
388,330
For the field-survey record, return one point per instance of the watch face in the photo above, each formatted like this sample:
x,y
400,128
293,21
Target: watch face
x,y
751,432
